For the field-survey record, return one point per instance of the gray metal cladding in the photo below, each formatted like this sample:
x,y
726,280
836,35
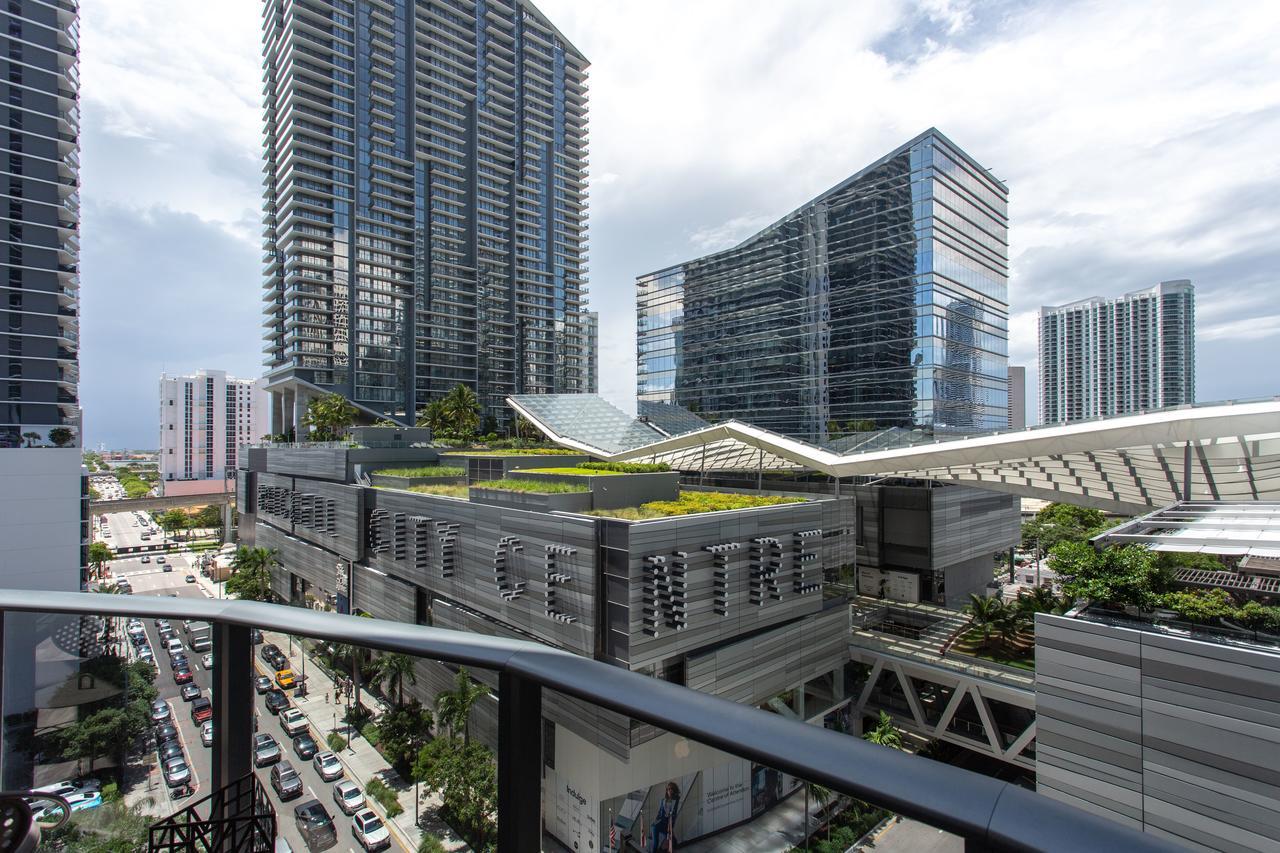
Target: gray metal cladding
x,y
325,463
1175,735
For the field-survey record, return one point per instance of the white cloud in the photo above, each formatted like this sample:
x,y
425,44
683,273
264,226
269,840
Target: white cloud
x,y
1248,329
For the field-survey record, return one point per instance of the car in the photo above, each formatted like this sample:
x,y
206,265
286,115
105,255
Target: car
x,y
348,797
179,659
166,634
268,651
160,559
189,692
293,722
265,750
161,624
201,709
146,559
160,711
277,701
261,684
286,781
168,568
146,655
255,636
305,746
168,731
169,749
368,829
207,660
327,765
68,786
285,679
206,733
176,772
173,645
137,631
315,825
191,578
182,676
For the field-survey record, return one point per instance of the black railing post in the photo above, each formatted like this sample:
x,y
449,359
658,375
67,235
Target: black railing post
x,y
232,705
519,764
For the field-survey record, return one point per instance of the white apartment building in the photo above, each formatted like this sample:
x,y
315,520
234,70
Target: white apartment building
x,y
1101,357
204,419
1017,397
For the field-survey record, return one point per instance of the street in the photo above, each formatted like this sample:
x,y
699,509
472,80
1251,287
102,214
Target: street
x,y
151,579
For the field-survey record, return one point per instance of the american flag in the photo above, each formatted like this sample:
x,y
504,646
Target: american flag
x,y
613,836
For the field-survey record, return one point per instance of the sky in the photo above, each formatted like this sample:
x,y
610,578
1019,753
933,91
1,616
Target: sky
x,y
1138,141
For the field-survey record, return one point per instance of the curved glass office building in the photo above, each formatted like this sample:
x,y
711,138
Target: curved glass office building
x,y
881,303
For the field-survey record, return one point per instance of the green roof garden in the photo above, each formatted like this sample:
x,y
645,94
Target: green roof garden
x,y
692,503
422,471
546,487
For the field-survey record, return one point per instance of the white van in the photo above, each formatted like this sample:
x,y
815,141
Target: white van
x,y
174,645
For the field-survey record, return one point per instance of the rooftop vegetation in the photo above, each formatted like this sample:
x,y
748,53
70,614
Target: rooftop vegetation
x,y
578,471
546,487
443,489
627,467
517,451
692,503
422,471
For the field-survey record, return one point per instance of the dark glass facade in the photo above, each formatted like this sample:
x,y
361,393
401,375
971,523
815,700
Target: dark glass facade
x,y
425,204
40,291
881,303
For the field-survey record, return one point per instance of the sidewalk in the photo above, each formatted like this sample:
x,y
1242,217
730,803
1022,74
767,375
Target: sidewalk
x,y
361,761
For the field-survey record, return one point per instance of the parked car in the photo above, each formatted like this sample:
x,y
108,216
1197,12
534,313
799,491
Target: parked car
x,y
348,797
277,701
206,732
169,749
293,722
368,829
160,711
168,731
179,660
261,684
255,636
268,651
305,747
182,676
207,660
265,750
315,824
146,655
68,786
173,644
327,765
286,781
176,772
189,692
161,624
201,709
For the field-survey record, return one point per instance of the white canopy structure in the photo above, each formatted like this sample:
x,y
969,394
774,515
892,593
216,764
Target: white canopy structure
x,y
1129,464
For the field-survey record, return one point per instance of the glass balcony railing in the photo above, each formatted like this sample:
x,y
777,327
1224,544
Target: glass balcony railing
x,y
169,718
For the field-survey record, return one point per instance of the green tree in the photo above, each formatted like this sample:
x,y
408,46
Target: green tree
x,y
989,617
1112,577
403,731
251,574
99,555
31,438
61,436
208,516
174,520
466,777
394,669
1201,605
884,733
1059,522
463,410
329,417
434,417
453,707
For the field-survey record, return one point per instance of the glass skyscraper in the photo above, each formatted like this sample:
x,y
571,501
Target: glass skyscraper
x,y
881,303
425,203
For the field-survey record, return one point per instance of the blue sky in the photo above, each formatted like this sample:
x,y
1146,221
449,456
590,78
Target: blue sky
x,y
1138,142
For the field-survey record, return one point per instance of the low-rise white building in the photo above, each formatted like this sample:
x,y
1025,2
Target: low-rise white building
x,y
204,419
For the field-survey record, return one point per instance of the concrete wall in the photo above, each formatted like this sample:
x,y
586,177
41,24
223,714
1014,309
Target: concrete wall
x,y
1177,736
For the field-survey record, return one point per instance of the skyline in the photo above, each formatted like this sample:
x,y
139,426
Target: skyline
x,y
1114,185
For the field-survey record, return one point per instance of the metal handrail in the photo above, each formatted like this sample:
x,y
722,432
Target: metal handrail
x,y
990,814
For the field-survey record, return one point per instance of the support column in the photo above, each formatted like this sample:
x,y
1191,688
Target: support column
x,y
519,764
228,532
299,409
232,752
1186,472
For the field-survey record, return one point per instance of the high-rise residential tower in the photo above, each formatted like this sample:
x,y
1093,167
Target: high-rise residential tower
x,y
43,491
1017,397
591,335
204,420
425,204
1101,357
880,303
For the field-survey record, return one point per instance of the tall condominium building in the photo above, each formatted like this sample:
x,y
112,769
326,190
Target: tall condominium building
x,y
425,204
43,490
1017,397
205,419
591,335
1101,357
880,303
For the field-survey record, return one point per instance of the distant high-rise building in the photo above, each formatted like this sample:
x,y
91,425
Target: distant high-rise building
x,y
591,332
425,204
1017,397
880,303
44,522
204,420
1101,357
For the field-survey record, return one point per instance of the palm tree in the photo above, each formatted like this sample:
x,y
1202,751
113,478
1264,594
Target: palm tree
x,y
987,615
434,417
453,707
885,733
31,437
462,409
823,795
329,417
394,669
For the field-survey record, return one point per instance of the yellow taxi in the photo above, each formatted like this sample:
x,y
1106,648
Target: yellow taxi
x,y
285,679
